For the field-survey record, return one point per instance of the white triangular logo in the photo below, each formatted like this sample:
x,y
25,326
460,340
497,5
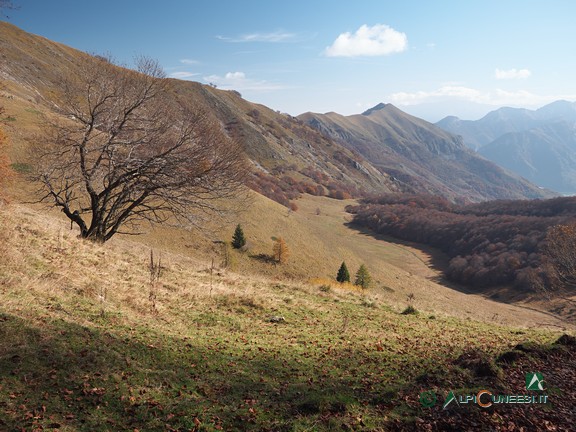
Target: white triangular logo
x,y
535,380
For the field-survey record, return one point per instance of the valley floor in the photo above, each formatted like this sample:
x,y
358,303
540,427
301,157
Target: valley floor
x,y
320,238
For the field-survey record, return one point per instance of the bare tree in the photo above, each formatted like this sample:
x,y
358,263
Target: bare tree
x,y
124,151
560,248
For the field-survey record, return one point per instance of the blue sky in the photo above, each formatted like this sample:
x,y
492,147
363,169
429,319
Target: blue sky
x,y
430,58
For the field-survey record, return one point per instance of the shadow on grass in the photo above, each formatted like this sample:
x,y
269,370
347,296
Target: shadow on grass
x,y
263,258
439,261
59,374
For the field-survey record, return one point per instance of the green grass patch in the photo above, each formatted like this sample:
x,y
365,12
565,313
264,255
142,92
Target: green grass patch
x,y
250,376
33,111
410,310
22,168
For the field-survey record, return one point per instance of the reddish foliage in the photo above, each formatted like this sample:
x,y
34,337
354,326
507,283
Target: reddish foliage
x,y
339,194
280,190
283,188
493,243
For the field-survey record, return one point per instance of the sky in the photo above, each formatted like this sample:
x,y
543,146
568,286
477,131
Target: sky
x,y
428,58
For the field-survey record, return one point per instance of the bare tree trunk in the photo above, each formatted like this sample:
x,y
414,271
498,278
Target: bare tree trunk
x,y
123,153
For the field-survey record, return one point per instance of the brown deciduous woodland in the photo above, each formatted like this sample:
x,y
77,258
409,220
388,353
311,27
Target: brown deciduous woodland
x,y
283,188
489,244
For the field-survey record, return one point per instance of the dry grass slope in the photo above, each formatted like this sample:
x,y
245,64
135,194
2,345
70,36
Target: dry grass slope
x,y
34,70
320,238
84,347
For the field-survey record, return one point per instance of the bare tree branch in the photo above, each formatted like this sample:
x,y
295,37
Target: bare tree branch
x,y
123,152
560,248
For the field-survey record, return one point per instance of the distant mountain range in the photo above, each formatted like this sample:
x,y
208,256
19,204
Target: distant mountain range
x,y
420,154
382,150
539,145
437,110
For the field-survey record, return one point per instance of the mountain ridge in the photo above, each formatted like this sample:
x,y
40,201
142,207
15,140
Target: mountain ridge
x,y
276,144
383,150
477,133
539,145
416,152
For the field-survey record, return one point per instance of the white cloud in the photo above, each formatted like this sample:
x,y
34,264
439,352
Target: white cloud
x,y
183,75
497,97
235,76
512,74
520,97
444,92
378,40
273,37
239,81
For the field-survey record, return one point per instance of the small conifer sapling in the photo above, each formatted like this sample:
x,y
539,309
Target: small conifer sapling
x,y
363,278
238,239
343,273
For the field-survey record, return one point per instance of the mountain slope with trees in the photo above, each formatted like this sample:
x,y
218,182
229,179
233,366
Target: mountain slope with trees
x,y
390,152
492,244
287,158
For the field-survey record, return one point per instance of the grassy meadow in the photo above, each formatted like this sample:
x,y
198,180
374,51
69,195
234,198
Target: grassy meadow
x,y
89,341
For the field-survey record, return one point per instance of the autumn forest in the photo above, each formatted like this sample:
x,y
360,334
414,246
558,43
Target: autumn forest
x,y
489,244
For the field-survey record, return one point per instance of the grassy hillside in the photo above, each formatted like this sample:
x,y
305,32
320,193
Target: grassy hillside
x,y
320,242
383,150
90,343
33,78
